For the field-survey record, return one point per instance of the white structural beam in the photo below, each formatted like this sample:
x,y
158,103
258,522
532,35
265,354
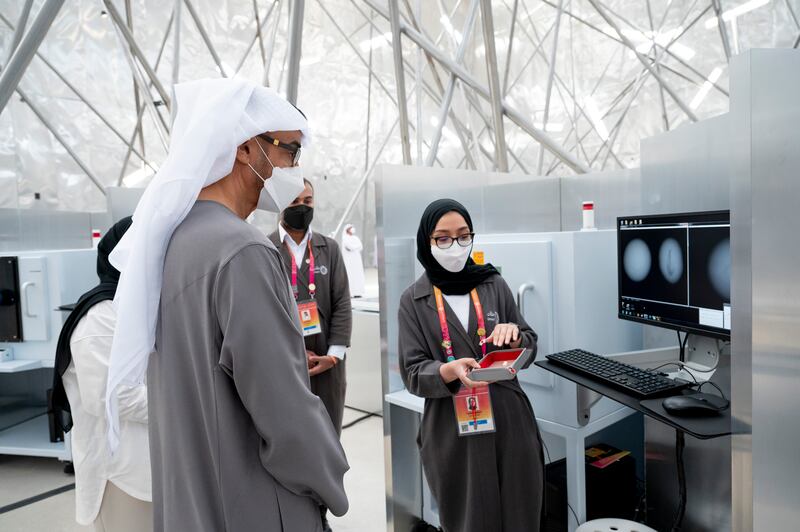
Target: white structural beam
x,y
295,49
24,53
495,93
515,116
399,75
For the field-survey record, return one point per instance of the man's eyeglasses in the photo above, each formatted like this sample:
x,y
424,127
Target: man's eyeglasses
x,y
294,150
446,242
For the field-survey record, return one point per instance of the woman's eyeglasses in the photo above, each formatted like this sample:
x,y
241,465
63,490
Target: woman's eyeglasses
x,y
446,242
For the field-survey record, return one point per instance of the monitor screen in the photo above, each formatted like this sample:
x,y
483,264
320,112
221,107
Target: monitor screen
x,y
10,324
675,271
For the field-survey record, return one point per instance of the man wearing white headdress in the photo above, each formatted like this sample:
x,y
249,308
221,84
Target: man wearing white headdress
x,y
237,440
353,263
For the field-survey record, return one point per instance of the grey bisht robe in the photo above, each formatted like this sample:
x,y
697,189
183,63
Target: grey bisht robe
x,y
490,482
238,442
335,313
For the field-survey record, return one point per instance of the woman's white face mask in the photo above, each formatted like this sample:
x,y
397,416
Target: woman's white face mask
x,y
281,189
452,259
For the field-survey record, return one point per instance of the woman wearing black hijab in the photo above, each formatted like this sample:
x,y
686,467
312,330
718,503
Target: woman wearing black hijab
x,y
106,290
484,480
111,492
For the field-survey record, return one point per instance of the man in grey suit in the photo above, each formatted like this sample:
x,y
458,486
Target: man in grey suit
x,y
238,441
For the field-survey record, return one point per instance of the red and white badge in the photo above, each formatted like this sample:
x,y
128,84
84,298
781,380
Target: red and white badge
x,y
473,407
309,317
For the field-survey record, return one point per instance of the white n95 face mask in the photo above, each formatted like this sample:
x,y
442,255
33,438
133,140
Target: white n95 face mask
x,y
281,189
452,259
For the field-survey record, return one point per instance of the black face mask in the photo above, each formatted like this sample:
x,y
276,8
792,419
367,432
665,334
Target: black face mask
x,y
298,217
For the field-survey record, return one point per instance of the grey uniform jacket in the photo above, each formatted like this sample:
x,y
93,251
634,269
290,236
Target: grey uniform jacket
x,y
491,482
336,317
238,442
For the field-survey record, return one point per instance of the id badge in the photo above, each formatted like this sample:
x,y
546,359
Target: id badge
x,y
309,318
473,407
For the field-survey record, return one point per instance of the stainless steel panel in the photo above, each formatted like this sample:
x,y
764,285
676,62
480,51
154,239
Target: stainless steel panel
x,y
708,474
741,297
497,203
687,169
775,160
684,170
398,263
364,390
34,229
407,190
615,193
404,492
708,479
515,204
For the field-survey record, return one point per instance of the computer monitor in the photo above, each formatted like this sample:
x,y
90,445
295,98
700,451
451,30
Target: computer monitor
x,y
675,271
10,317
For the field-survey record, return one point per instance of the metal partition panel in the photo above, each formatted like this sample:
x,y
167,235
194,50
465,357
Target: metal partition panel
x,y
775,177
398,263
36,229
514,203
741,298
407,190
687,169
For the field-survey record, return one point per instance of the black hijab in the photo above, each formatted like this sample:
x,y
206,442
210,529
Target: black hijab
x,y
107,289
450,283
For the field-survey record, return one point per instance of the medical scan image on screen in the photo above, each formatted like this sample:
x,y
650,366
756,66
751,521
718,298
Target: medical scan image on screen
x,y
675,271
654,264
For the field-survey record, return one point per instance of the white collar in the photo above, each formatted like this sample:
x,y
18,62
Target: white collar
x,y
283,235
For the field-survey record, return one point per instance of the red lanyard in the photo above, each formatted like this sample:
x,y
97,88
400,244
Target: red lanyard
x,y
447,343
312,288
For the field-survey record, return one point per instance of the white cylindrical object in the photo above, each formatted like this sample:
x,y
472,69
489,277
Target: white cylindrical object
x,y
95,238
588,216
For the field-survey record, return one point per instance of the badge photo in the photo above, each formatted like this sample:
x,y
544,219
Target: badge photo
x,y
472,404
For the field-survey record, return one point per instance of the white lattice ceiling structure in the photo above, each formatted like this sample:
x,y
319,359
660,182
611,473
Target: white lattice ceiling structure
x,y
563,86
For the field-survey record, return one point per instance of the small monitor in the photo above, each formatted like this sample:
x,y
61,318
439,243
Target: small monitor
x,y
675,271
10,319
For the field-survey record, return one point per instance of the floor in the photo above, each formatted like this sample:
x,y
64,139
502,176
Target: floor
x,y
22,478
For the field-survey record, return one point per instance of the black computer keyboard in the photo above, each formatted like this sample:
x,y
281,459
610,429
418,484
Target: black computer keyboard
x,y
630,378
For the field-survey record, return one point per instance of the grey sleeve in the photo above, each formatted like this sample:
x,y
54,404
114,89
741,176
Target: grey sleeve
x,y
419,370
341,323
529,336
263,352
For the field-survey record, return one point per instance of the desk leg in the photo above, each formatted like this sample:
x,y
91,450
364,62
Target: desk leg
x,y
576,479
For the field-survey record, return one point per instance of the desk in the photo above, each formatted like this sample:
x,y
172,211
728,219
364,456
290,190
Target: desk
x,y
703,428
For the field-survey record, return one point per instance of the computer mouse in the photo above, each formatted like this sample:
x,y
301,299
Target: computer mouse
x,y
696,404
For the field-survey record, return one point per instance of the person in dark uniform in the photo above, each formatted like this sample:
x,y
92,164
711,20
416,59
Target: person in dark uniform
x,y
484,480
318,278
